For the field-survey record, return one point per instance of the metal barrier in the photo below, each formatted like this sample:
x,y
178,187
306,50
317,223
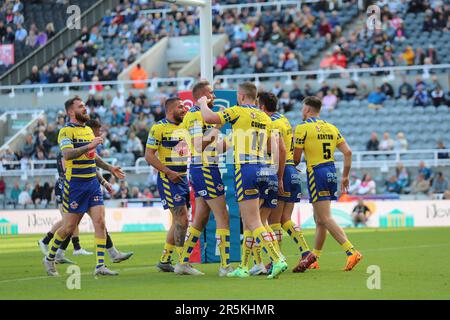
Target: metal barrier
x,y
322,73
360,161
182,84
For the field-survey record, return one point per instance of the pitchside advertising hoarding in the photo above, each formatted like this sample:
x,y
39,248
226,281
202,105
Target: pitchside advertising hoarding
x,y
385,214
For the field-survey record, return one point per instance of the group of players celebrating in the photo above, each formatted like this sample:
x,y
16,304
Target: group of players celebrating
x,y
267,183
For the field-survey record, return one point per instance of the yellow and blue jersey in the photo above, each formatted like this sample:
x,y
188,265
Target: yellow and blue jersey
x,y
73,135
251,130
282,125
81,189
319,140
163,137
194,124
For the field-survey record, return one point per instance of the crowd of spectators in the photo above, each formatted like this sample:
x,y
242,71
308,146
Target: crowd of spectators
x,y
377,46
387,143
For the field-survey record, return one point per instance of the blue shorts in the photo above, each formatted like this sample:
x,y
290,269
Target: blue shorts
x,y
172,194
322,182
291,184
207,182
253,181
59,191
81,194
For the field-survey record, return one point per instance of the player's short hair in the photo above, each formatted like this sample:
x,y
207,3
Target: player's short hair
x,y
249,89
313,102
199,86
93,124
69,103
170,102
268,100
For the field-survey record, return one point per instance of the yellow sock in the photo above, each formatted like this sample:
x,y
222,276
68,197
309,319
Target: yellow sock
x,y
318,253
223,243
167,253
348,248
179,251
278,230
273,237
297,235
266,240
247,245
256,250
54,245
192,237
100,248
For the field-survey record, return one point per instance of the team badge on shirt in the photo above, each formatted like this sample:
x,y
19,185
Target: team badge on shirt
x,y
74,205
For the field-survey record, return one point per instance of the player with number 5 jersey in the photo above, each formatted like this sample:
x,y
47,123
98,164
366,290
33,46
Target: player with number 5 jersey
x,y
317,140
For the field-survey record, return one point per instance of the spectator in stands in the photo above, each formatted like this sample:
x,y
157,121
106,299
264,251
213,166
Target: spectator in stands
x,y
42,143
136,74
373,143
329,101
351,91
15,192
285,102
134,145
420,97
376,99
442,155
387,89
363,91
18,6
234,61
37,194
392,185
10,36
360,213
367,186
438,96
35,77
424,170
2,186
136,194
387,144
420,185
355,182
119,102
440,184
21,33
277,89
296,94
158,113
408,56
402,175
401,144
405,90
328,62
18,18
24,196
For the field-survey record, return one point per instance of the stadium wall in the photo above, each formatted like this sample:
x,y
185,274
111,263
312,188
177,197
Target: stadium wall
x,y
385,214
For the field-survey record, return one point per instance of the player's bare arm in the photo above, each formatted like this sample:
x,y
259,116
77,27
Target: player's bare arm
x,y
208,115
104,182
152,159
347,152
74,153
115,170
297,155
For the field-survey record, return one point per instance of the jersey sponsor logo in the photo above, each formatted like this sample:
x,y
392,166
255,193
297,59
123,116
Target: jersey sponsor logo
x,y
90,154
74,205
251,192
151,141
65,142
324,193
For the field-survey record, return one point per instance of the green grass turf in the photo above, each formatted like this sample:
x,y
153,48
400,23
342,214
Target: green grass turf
x,y
414,264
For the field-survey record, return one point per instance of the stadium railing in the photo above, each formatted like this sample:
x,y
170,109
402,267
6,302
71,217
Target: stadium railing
x,y
322,74
182,84
379,159
239,7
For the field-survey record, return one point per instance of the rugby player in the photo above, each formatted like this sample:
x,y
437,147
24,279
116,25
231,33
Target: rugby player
x,y
317,140
163,138
256,182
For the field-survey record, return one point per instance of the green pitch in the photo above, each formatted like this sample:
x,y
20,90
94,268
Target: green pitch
x,y
414,264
